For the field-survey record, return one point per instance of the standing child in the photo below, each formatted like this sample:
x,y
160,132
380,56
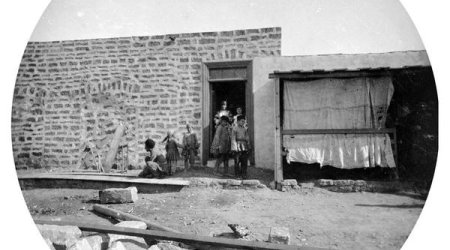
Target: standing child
x,y
190,148
240,145
172,154
221,144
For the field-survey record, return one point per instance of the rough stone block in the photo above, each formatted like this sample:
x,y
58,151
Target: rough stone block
x,y
234,182
168,246
250,182
117,245
279,235
344,182
129,242
132,224
325,182
97,242
118,195
289,182
60,236
81,244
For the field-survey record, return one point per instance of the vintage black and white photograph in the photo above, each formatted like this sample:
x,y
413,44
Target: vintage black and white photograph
x,y
159,125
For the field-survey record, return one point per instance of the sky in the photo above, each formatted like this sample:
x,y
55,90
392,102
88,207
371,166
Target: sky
x,y
308,26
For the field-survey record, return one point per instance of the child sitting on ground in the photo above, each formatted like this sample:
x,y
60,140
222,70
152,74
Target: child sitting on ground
x,y
155,163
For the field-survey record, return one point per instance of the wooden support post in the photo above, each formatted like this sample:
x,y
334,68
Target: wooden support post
x,y
114,146
125,216
190,239
278,140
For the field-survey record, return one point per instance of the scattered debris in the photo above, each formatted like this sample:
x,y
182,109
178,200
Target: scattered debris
x,y
239,231
124,216
118,195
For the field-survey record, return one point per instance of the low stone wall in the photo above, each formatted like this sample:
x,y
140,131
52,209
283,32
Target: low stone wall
x,y
346,186
226,183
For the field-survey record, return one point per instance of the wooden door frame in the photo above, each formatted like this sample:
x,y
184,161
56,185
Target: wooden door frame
x,y
206,101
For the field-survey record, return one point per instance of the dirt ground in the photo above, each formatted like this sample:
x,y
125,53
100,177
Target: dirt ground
x,y
315,217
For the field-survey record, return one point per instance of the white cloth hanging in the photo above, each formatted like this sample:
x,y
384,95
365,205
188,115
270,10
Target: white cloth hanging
x,y
335,103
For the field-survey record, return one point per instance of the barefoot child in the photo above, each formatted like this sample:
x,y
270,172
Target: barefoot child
x,y
221,144
190,148
240,145
172,154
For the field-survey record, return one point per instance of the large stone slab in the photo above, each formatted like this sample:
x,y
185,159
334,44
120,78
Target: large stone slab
x,y
97,242
117,246
118,195
62,237
167,246
129,242
279,235
81,244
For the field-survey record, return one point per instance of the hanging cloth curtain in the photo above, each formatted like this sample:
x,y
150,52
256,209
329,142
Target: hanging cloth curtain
x,y
334,103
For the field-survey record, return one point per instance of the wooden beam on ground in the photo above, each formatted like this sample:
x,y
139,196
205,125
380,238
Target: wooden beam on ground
x,y
106,178
125,216
91,181
178,237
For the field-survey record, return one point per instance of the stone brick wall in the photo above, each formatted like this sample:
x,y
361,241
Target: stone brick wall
x,y
70,94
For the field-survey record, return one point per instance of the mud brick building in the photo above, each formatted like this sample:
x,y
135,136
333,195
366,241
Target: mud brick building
x,y
74,94
71,93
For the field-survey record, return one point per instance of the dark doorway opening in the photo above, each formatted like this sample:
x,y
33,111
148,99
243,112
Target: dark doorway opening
x,y
231,91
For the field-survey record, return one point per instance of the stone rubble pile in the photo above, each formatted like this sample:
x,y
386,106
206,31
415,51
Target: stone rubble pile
x,y
226,183
70,238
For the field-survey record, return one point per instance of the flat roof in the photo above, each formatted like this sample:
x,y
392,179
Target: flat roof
x,y
371,62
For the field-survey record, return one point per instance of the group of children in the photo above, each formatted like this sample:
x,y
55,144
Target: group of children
x,y
157,165
232,140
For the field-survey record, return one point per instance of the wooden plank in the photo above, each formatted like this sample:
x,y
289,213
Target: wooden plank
x,y
130,180
227,64
237,79
206,115
329,74
125,216
278,159
249,109
337,131
178,237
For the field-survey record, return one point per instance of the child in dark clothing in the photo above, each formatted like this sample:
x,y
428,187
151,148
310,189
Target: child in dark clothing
x,y
240,146
172,154
190,148
154,163
221,144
